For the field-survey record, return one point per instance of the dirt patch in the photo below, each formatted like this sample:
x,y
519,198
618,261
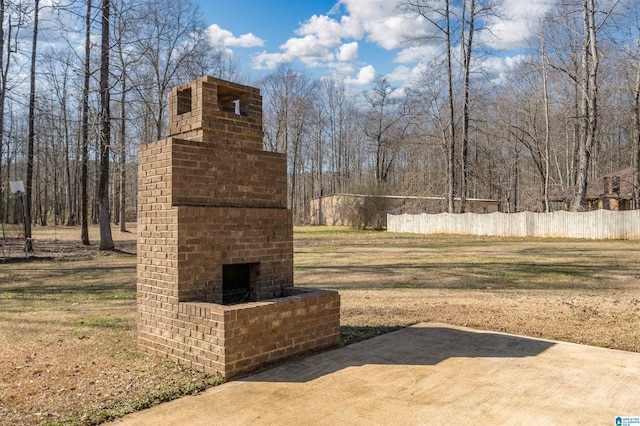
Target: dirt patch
x,y
68,318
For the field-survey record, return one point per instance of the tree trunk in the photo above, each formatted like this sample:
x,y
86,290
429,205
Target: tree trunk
x,y
583,149
71,216
592,135
467,46
123,153
3,83
451,151
84,235
32,133
589,78
547,129
106,241
636,139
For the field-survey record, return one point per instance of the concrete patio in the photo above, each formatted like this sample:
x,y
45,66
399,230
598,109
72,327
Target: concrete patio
x,y
424,374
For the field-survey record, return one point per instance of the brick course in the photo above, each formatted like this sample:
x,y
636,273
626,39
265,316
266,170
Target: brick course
x,y
210,196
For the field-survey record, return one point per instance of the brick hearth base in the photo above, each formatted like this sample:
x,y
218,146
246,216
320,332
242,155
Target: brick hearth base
x,y
233,340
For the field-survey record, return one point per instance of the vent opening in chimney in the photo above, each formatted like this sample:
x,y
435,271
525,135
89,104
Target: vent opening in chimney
x,y
184,101
232,101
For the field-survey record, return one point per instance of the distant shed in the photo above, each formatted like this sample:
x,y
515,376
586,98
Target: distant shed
x,y
339,209
610,192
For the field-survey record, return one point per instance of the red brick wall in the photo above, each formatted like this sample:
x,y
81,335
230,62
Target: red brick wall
x,y
204,174
212,197
211,237
237,339
213,123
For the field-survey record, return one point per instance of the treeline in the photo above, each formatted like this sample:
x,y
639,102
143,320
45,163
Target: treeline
x,y
567,109
83,82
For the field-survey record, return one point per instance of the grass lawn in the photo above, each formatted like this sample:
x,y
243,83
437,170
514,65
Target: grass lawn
x,y
67,323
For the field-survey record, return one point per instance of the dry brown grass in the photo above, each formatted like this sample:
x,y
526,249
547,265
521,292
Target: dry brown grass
x,y
573,290
67,327
67,322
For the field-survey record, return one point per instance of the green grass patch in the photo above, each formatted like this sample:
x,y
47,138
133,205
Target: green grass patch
x,y
116,410
98,322
352,259
325,230
353,334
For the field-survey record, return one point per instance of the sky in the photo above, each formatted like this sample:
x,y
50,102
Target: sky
x,y
359,40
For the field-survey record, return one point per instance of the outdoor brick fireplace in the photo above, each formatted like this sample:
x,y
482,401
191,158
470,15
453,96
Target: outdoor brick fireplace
x,y
215,241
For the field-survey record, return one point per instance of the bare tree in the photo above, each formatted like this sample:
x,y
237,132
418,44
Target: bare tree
x,y
32,135
636,139
589,95
57,65
524,123
335,110
3,84
566,114
84,198
547,126
430,93
169,50
289,97
439,15
278,90
469,13
126,19
386,126
14,20
445,19
106,241
590,62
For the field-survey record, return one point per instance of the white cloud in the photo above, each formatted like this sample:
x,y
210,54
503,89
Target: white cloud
x,y
308,47
514,61
401,73
383,22
423,53
329,31
222,37
377,21
370,10
338,39
493,66
496,69
270,61
519,22
342,68
319,37
366,75
390,33
246,40
348,52
412,75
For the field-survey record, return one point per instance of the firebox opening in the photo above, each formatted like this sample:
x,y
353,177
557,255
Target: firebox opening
x,y
238,282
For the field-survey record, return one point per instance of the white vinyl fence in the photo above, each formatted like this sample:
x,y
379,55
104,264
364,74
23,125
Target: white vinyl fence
x,y
597,225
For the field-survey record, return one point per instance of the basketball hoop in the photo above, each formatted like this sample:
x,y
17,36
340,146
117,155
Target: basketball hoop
x,y
17,187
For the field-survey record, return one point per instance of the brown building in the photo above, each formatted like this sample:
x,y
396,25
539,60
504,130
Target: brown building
x,y
343,209
610,192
